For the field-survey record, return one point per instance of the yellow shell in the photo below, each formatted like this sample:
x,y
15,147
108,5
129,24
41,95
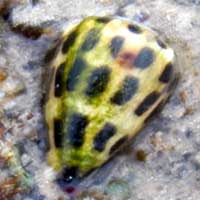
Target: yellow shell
x,y
109,75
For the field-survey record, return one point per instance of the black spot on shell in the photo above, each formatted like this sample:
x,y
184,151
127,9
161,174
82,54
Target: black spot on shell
x,y
134,28
147,103
145,58
98,81
161,44
50,55
118,145
69,42
166,74
103,19
129,88
58,136
91,40
59,80
116,45
74,74
76,129
156,111
68,175
103,136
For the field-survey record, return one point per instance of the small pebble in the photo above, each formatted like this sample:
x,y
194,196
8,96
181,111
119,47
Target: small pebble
x,y
13,87
31,66
141,155
25,159
188,2
159,143
187,156
195,161
2,130
197,158
3,75
2,94
91,195
10,110
118,190
35,2
141,16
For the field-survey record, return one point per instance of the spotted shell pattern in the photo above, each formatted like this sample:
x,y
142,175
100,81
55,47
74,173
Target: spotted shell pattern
x,y
109,76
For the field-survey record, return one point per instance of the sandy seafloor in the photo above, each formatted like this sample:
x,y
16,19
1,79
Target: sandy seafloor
x,y
163,162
